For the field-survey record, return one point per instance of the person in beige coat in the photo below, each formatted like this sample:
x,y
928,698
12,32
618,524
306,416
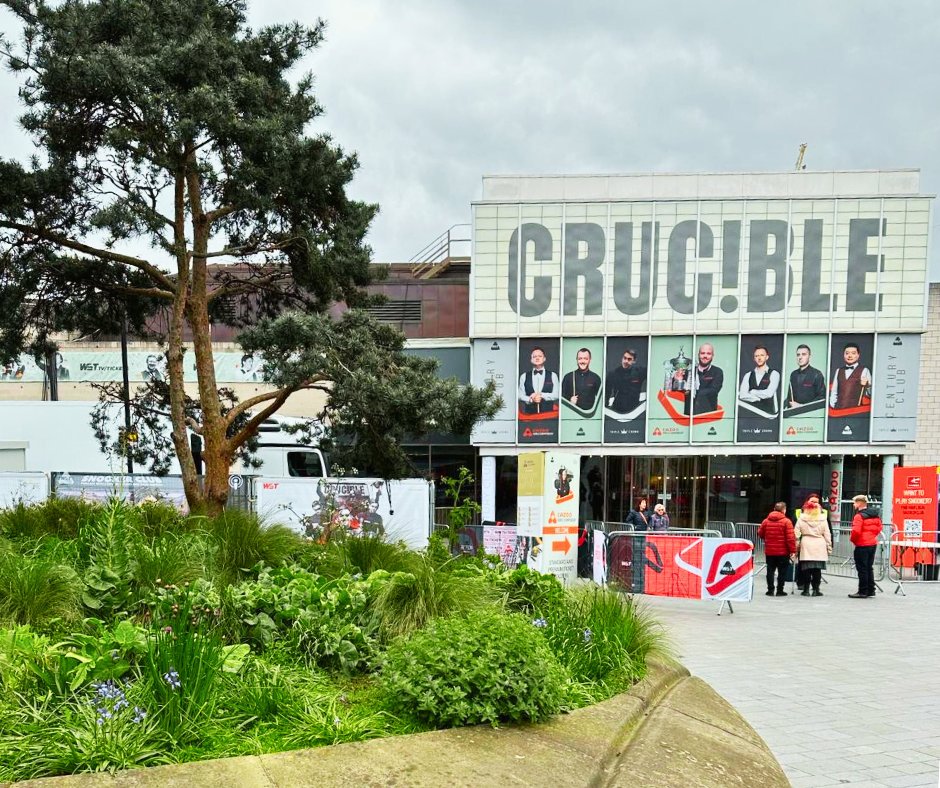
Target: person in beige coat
x,y
814,543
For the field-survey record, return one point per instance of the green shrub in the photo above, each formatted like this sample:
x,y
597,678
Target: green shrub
x,y
103,729
37,591
327,622
31,664
487,667
172,558
364,555
243,541
107,540
602,638
182,667
408,601
262,691
529,592
156,518
60,517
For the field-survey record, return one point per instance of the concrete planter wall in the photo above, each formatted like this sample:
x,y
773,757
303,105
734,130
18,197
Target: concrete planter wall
x,y
670,730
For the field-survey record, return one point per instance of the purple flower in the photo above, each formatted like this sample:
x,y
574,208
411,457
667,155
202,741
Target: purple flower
x,y
172,678
539,623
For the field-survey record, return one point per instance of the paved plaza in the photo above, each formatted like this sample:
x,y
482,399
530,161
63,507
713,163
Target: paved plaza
x,y
845,691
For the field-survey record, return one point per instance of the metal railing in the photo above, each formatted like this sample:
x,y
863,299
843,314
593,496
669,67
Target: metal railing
x,y
453,243
911,559
724,527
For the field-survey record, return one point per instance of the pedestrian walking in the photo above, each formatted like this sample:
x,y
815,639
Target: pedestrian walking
x,y
814,543
639,518
779,544
866,527
659,520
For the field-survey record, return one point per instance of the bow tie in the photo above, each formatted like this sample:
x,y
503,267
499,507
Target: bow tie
x,y
537,371
851,366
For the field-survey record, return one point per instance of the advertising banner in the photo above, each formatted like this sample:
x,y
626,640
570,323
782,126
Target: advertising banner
x,y
495,359
582,390
713,389
850,387
915,502
538,391
531,482
23,487
398,509
625,390
670,404
78,366
895,390
760,388
556,551
692,392
805,391
697,567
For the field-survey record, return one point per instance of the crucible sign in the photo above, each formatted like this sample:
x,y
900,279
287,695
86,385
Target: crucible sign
x,y
701,265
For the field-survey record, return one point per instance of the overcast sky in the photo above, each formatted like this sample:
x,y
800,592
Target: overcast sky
x,y
433,94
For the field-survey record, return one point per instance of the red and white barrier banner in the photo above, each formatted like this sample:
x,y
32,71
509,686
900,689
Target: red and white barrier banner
x,y
697,567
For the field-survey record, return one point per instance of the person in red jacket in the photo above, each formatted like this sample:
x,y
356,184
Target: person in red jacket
x,y
779,545
866,527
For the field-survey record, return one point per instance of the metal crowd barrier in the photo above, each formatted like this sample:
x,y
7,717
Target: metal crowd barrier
x,y
842,561
911,560
727,529
840,564
749,531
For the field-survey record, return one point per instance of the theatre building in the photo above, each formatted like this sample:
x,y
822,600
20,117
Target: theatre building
x,y
716,342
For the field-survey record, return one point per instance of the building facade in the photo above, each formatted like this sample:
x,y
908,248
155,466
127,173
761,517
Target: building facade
x,y
715,342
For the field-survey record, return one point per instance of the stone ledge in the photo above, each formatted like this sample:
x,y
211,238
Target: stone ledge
x,y
669,730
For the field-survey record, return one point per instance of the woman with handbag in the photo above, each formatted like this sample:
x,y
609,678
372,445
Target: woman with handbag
x,y
814,544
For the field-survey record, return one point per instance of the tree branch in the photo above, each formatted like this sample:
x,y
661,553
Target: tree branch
x,y
115,257
220,213
278,400
144,292
246,285
241,407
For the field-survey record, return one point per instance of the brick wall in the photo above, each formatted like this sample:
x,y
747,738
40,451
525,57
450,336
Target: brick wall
x,y
926,450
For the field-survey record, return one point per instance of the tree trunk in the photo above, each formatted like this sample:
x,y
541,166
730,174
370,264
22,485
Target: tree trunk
x,y
175,365
215,485
218,450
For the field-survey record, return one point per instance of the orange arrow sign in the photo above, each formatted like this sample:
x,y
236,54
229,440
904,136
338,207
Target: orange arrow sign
x,y
561,545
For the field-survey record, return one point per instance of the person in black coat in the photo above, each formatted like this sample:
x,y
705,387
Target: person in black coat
x,y
639,517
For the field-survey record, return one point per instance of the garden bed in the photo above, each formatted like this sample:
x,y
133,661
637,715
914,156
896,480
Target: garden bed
x,y
132,636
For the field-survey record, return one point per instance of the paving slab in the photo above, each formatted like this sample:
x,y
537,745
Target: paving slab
x,y
840,689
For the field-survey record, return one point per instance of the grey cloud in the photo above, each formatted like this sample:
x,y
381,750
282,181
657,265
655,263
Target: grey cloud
x,y
433,94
